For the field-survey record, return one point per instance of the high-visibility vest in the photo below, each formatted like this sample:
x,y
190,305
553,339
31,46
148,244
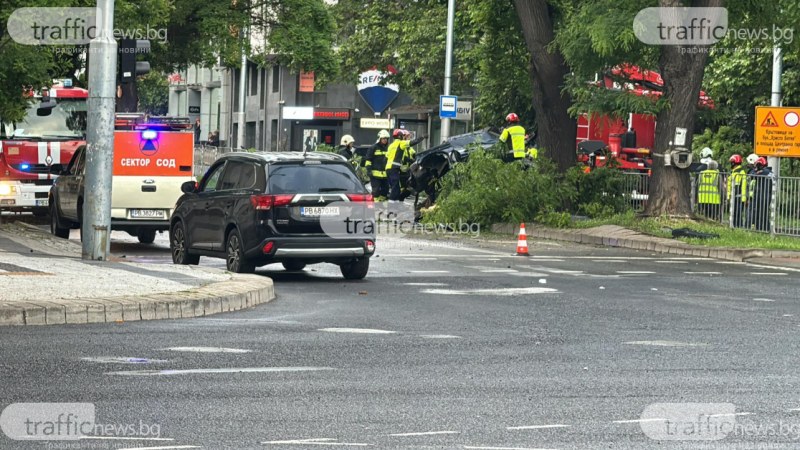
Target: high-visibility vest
x,y
708,188
408,157
533,153
395,154
517,143
738,179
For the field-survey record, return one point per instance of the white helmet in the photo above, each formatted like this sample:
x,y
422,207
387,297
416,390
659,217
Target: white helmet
x,y
347,139
383,134
752,158
706,153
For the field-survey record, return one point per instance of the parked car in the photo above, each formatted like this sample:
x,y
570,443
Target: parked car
x,y
260,208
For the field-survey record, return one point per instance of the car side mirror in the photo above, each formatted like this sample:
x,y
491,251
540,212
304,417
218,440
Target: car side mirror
x,y
189,187
57,169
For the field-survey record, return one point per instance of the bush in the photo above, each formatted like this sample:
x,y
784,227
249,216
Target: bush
x,y
486,190
603,192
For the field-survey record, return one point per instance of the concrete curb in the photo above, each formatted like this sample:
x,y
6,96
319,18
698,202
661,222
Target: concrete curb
x,y
240,292
616,236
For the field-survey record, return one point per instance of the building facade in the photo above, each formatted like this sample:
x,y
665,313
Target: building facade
x,y
282,114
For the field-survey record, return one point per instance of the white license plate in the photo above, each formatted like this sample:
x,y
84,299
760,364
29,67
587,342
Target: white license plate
x,y
317,211
41,202
147,213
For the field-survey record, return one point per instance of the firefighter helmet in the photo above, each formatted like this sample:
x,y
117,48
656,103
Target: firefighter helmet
x,y
736,160
761,162
706,153
511,117
383,134
347,139
398,133
752,158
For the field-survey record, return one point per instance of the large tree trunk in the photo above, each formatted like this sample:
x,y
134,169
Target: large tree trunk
x,y
682,69
556,129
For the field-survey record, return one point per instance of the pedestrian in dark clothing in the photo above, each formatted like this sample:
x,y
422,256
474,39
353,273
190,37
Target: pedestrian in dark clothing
x,y
761,200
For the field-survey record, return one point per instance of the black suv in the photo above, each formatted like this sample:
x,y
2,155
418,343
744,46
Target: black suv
x,y
260,208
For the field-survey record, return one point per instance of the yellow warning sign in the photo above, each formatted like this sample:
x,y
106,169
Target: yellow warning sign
x,y
776,133
770,121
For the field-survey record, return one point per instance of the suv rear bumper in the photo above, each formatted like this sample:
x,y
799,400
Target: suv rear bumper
x,y
312,249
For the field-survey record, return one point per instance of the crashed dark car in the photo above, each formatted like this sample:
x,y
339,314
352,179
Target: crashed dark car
x,y
432,164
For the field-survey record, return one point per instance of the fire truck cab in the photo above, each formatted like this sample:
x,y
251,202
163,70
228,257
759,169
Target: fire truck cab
x,y
52,130
153,157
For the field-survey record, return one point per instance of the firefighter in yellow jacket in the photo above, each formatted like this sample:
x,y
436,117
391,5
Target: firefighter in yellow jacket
x,y
514,138
394,162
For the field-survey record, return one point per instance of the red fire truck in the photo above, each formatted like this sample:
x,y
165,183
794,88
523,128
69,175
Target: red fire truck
x,y
601,138
54,127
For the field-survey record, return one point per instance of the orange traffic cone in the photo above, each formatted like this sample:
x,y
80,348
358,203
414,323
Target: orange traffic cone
x,y
522,242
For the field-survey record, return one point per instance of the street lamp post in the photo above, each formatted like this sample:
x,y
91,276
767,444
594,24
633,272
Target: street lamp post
x,y
448,63
280,123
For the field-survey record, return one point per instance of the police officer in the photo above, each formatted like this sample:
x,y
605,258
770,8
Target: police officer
x,y
514,138
761,187
709,198
737,190
376,167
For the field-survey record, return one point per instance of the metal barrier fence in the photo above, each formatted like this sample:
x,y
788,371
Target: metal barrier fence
x,y
762,203
205,155
637,188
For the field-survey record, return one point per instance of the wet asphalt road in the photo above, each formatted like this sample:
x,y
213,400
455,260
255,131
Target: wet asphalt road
x,y
445,345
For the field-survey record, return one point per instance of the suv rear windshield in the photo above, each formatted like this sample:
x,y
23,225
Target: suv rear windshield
x,y
312,179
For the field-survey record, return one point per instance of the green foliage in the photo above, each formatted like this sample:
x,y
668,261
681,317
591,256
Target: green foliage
x,y
603,192
486,190
726,141
326,148
153,94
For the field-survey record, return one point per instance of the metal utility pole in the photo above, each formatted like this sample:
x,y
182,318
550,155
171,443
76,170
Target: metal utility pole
x,y
775,100
96,220
242,92
448,63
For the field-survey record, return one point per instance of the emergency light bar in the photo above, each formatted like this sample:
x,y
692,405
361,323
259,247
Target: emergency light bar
x,y
138,121
149,135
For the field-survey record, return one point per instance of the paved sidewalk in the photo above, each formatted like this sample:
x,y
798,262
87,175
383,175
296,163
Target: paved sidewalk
x,y
616,236
44,281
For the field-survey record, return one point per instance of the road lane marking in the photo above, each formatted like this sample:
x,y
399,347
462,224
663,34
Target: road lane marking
x,y
703,273
529,274
538,427
665,343
169,447
423,433
505,448
763,300
730,414
439,336
207,349
121,438
499,271
635,272
122,360
504,292
318,441
671,261
769,273
639,420
761,266
220,370
356,330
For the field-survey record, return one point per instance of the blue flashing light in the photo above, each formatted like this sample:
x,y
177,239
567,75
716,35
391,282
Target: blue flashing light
x,y
24,166
149,135
68,82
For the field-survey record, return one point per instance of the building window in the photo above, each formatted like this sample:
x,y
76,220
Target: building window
x,y
273,135
276,78
253,74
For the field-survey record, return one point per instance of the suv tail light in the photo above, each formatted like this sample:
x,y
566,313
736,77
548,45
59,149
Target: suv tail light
x,y
362,198
263,202
370,246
